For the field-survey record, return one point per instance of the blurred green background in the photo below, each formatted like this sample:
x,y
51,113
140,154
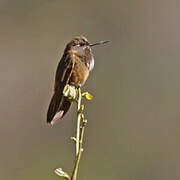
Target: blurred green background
x,y
133,130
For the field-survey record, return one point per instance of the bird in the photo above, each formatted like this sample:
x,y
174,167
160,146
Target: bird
x,y
73,69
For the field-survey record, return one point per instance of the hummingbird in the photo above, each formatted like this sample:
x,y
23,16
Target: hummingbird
x,y
73,69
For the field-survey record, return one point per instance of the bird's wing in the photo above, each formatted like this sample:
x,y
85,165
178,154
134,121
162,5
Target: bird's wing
x,y
63,72
58,105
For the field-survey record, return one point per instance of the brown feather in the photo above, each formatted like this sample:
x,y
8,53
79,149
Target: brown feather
x,y
59,102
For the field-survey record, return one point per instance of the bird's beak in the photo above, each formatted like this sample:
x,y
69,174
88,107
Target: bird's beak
x,y
99,43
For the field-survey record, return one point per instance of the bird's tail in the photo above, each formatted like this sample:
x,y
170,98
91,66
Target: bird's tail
x,y
58,107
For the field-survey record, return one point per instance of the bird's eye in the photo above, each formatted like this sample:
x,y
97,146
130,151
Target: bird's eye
x,y
81,44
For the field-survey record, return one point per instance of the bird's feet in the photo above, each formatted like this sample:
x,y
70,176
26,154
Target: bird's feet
x,y
75,85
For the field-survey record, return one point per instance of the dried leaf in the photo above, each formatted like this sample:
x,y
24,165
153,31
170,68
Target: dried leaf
x,y
70,92
62,174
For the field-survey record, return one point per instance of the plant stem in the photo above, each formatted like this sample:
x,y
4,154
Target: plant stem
x,y
79,137
78,121
81,123
78,157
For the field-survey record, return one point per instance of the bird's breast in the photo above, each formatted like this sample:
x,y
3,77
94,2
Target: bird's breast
x,y
80,72
91,64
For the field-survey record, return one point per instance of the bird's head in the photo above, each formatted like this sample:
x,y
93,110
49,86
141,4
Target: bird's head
x,y
80,45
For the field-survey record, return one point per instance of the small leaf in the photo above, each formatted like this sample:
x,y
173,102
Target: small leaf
x,y
81,109
62,174
73,138
87,96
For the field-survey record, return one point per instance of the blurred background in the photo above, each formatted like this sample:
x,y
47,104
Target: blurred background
x,y
133,130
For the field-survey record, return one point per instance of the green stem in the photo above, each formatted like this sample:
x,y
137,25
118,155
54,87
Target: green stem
x,y
79,137
78,157
78,153
78,121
